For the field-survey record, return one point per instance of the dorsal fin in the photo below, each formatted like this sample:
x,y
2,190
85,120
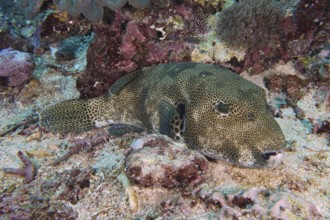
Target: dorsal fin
x,y
122,82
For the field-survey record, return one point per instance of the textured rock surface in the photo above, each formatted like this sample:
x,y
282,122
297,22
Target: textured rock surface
x,y
15,67
159,161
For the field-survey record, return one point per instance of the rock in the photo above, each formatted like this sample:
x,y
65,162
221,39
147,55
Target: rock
x,y
159,161
35,136
15,67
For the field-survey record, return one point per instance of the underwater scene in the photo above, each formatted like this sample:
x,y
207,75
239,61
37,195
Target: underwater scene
x,y
171,109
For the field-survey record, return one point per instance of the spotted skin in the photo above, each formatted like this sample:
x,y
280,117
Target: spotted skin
x,y
224,116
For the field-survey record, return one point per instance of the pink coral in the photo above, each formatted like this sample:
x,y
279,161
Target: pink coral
x,y
124,46
133,36
15,67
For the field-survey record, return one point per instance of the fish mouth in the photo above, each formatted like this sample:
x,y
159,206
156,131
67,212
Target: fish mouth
x,y
273,158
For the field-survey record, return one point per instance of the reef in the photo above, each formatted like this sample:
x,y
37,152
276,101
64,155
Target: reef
x,y
92,10
287,30
126,45
281,205
51,51
249,23
33,201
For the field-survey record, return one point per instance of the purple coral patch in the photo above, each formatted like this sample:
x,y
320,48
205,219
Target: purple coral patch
x,y
15,67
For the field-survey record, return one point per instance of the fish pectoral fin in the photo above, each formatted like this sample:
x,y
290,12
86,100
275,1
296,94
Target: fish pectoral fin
x,y
172,119
166,111
119,130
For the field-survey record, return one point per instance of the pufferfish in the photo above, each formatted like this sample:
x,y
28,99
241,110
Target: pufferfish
x,y
208,107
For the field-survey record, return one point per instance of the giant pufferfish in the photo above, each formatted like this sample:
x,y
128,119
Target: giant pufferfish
x,y
210,108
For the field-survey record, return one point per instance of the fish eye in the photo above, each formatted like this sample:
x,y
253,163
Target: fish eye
x,y
222,108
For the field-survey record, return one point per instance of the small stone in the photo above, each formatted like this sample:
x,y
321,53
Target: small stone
x,y
35,136
38,153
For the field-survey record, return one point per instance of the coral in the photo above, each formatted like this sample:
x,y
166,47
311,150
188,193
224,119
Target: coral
x,y
15,67
93,10
322,97
26,122
30,7
198,22
258,60
132,38
303,29
139,3
124,46
67,49
292,85
321,127
158,161
311,16
249,23
129,191
47,199
74,183
29,170
213,50
257,202
15,42
80,144
104,64
62,16
286,204
54,30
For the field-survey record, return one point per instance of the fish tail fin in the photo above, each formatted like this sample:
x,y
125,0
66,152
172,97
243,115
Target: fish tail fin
x,y
74,115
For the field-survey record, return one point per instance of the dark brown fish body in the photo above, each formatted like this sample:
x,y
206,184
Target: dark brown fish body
x,y
210,108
